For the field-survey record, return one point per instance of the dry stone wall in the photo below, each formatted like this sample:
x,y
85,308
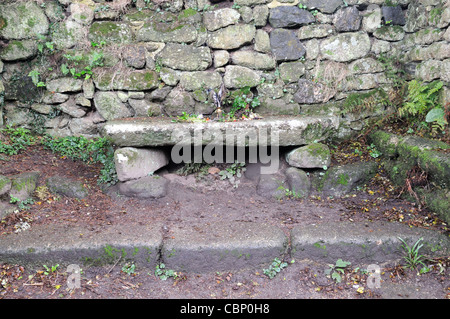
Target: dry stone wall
x,y
72,65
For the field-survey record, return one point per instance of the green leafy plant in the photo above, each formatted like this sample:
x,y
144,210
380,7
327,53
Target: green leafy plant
x,y
412,257
129,268
243,103
87,150
337,269
420,98
437,118
275,267
50,270
162,273
185,117
289,193
95,59
233,172
373,152
35,75
17,140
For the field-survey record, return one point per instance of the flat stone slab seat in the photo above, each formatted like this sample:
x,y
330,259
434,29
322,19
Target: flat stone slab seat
x,y
276,130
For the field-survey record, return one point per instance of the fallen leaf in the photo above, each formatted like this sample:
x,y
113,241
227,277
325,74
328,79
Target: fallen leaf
x,y
213,170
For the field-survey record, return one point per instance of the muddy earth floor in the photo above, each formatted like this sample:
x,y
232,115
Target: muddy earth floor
x,y
204,198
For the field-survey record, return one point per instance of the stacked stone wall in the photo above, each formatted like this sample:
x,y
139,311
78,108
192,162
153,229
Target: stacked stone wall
x,y
72,65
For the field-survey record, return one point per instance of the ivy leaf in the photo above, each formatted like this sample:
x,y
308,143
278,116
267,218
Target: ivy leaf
x,y
435,115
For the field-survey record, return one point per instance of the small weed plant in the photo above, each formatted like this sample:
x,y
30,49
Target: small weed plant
x,y
129,269
275,267
87,150
337,270
15,140
50,270
162,273
232,173
412,257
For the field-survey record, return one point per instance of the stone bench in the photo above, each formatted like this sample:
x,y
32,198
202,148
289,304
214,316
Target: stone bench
x,y
274,131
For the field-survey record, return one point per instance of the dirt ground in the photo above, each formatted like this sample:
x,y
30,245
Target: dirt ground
x,y
204,197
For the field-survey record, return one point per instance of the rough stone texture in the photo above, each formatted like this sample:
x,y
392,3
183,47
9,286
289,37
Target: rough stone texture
x,y
287,17
179,101
239,77
346,46
109,106
290,72
390,33
134,56
54,98
53,244
262,41
269,185
22,20
64,85
134,163
81,13
298,182
217,19
221,58
131,80
314,31
167,33
329,6
310,92
192,81
145,187
185,57
145,108
223,247
253,60
5,185
310,156
393,14
68,34
347,19
110,31
231,37
23,185
361,243
69,187
6,209
19,50
71,108
282,131
340,180
285,45
371,18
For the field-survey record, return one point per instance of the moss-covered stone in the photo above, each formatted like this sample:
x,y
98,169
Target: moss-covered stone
x,y
111,79
22,20
340,180
18,50
315,155
109,31
23,185
68,187
5,185
438,201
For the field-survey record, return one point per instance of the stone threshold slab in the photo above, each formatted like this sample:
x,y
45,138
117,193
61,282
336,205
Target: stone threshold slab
x,y
363,243
276,131
197,248
57,244
223,246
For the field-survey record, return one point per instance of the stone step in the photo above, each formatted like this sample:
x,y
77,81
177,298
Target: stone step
x,y
276,130
206,247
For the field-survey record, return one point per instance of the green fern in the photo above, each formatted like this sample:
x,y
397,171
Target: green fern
x,y
421,98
